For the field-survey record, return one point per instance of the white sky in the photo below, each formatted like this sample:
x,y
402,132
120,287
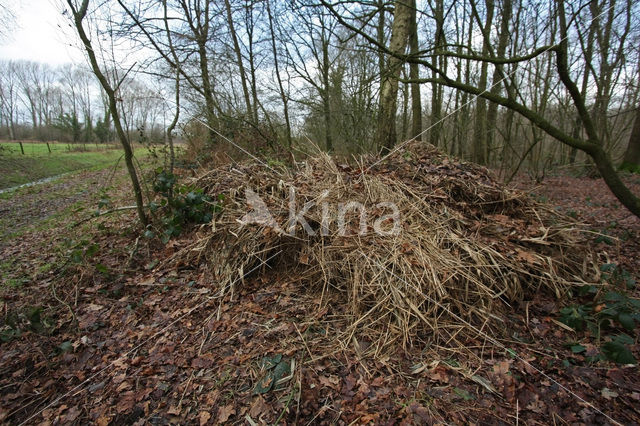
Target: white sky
x,y
39,36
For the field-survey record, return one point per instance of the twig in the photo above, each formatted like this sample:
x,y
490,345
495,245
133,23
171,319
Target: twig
x,y
117,209
303,341
286,407
55,295
185,391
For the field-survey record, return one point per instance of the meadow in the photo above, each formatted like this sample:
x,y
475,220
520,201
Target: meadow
x,y
38,162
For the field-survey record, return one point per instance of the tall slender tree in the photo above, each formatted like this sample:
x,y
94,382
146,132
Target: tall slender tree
x,y
79,14
414,74
389,86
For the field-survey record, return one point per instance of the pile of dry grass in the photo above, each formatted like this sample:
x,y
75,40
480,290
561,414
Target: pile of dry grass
x,y
466,250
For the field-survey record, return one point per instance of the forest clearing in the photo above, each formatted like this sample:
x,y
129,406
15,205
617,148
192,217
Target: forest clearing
x,y
372,212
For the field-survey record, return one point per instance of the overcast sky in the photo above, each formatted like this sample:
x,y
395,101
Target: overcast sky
x,y
39,36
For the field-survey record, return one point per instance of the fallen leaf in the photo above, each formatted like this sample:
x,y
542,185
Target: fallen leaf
x,y
103,421
367,418
330,382
204,417
123,387
126,403
609,394
439,374
485,383
527,256
212,397
421,414
258,407
225,412
71,415
94,308
175,411
502,367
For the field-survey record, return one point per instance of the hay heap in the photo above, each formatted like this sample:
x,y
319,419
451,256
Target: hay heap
x,y
466,248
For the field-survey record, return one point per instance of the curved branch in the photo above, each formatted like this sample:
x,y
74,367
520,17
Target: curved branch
x,y
591,147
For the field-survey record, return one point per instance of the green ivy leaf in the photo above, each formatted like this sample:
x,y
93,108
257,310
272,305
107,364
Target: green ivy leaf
x,y
624,339
626,321
617,352
65,346
92,250
102,269
463,393
577,349
603,239
613,296
608,267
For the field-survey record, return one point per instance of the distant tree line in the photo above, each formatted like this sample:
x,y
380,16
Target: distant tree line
x,y
45,103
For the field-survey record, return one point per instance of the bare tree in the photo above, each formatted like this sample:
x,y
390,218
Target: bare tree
x,y
389,86
480,127
498,74
177,43
590,144
79,14
438,62
631,160
276,63
9,96
238,54
310,59
414,74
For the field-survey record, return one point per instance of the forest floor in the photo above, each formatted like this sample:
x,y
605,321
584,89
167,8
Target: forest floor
x,y
94,332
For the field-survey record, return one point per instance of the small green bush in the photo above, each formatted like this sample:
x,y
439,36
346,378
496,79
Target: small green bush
x,y
180,205
605,312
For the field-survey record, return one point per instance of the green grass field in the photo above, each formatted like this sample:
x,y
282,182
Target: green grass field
x,y
38,148
37,163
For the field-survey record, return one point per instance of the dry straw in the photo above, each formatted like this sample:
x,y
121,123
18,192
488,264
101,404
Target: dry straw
x,y
464,241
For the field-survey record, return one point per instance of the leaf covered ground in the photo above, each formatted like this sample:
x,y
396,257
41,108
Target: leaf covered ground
x,y
95,330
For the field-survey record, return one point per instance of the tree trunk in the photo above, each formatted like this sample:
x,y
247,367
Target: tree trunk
x,y
326,102
436,90
236,49
492,113
380,37
480,127
588,54
283,94
206,86
386,136
199,25
252,66
78,16
172,126
414,74
631,160
464,116
405,110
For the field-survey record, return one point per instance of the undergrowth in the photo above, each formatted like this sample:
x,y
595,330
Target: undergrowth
x,y
606,314
179,206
